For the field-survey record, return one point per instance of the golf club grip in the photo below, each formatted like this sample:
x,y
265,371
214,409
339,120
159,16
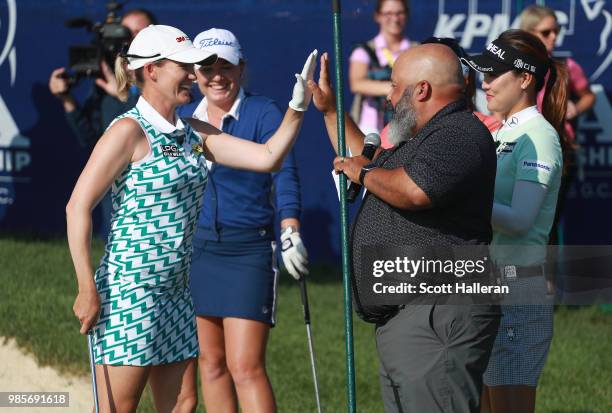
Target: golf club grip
x,y
304,294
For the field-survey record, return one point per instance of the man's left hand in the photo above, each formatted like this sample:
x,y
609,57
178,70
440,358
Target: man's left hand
x,y
295,256
351,167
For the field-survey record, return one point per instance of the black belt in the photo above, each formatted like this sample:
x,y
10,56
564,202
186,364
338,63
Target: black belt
x,y
512,272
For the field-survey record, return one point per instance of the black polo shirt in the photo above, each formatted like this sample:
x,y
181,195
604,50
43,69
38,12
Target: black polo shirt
x,y
452,159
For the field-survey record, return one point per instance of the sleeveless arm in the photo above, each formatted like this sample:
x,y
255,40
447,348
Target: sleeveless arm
x,y
110,157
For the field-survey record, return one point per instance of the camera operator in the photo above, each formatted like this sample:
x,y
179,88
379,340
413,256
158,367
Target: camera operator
x,y
89,121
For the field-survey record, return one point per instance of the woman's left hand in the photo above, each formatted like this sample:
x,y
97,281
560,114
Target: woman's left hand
x,y
301,93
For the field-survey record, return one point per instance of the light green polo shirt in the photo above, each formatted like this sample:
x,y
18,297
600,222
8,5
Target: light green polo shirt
x,y
529,150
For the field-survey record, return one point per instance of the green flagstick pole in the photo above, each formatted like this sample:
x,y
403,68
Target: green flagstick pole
x,y
346,276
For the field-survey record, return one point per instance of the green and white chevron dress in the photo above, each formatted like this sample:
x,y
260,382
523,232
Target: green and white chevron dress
x,y
147,315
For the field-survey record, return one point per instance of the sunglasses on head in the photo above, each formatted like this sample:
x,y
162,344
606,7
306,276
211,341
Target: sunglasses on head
x,y
447,41
547,32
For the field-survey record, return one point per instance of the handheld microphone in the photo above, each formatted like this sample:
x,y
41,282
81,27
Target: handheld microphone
x,y
371,143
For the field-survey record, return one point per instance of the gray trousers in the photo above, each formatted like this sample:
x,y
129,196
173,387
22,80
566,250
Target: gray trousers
x,y
432,357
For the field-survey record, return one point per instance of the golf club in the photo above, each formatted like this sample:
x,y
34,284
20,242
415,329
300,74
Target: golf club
x,y
306,311
93,370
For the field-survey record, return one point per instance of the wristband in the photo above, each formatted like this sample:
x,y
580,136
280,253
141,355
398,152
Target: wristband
x,y
364,170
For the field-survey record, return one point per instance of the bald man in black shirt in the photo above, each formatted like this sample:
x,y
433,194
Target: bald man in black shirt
x,y
434,188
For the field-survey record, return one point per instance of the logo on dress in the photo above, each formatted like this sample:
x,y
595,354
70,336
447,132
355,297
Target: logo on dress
x,y
170,151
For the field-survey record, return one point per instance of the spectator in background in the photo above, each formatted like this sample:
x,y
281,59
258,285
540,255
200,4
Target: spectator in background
x,y
89,121
234,272
371,64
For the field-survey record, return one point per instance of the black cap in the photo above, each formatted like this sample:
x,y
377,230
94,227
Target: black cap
x,y
500,57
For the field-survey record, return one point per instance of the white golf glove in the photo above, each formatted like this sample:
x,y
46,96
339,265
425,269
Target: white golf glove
x,y
294,253
301,94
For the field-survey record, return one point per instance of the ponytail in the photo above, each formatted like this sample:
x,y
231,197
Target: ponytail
x,y
123,80
554,105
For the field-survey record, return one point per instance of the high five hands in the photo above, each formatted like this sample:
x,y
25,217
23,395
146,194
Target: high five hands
x,y
301,93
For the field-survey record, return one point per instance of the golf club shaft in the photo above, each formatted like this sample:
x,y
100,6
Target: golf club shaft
x,y
314,368
93,371
306,311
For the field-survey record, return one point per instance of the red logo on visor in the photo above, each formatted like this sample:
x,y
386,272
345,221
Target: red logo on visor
x,y
181,39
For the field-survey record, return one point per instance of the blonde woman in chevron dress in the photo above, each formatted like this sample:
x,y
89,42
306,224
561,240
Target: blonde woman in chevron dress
x,y
138,304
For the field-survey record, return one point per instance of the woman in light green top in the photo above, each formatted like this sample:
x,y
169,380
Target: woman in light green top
x,y
529,167
137,305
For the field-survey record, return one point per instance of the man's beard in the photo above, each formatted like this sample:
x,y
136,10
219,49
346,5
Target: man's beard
x,y
404,119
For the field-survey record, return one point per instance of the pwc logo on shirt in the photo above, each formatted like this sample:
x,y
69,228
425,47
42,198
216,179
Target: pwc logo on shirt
x,y
170,151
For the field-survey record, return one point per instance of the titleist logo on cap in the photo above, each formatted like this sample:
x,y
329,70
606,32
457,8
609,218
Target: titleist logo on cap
x,y
215,42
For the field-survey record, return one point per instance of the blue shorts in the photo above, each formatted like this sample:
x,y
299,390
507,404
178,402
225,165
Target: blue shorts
x,y
236,278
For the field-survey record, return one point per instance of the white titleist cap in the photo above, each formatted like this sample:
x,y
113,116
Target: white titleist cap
x,y
221,42
164,42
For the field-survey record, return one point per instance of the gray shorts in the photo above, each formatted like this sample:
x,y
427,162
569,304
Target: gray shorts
x,y
523,340
432,357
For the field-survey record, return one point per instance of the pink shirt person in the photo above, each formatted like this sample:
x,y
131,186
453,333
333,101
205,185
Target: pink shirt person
x,y
371,119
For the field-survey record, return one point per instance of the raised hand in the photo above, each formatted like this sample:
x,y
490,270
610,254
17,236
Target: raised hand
x,y
323,93
301,93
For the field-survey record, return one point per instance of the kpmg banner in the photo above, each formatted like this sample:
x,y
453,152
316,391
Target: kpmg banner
x,y
40,159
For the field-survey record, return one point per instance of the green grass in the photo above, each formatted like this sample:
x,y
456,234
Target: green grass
x,y
38,289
